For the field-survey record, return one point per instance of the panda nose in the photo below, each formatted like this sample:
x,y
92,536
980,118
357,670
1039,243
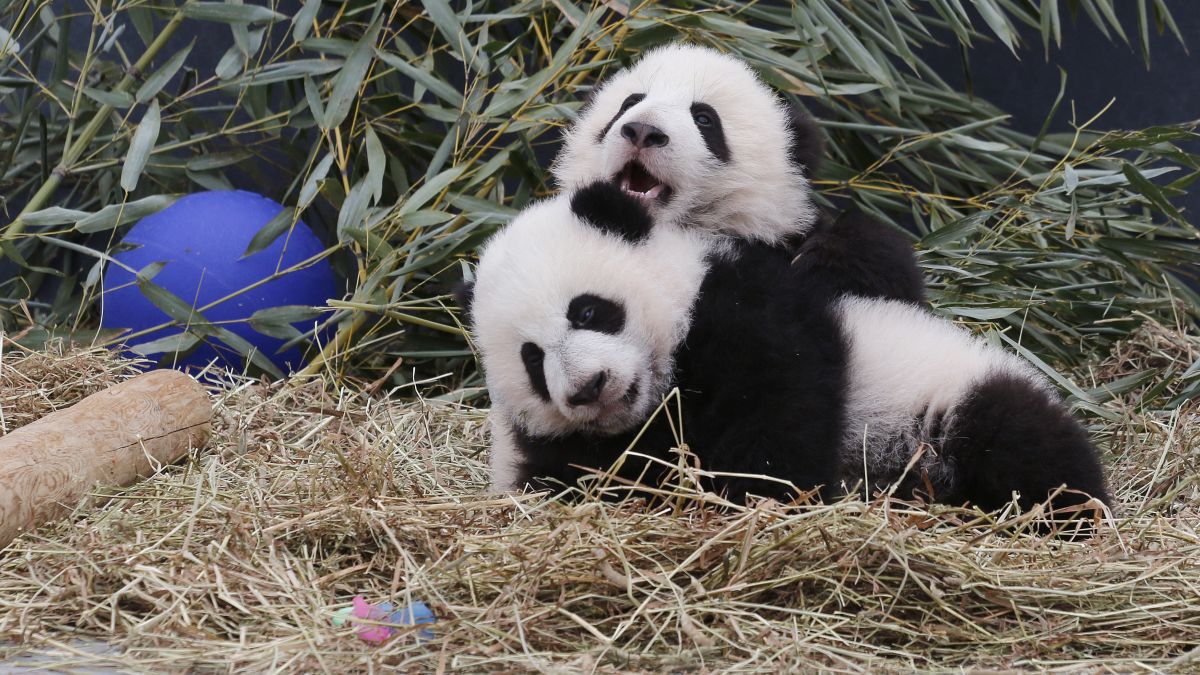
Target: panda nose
x,y
590,391
644,135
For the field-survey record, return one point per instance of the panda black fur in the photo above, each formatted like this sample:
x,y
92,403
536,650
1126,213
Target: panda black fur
x,y
698,138
812,389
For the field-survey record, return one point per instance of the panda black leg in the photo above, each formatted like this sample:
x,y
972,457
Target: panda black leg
x,y
1009,436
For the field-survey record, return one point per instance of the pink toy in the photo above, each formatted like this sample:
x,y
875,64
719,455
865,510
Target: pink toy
x,y
416,613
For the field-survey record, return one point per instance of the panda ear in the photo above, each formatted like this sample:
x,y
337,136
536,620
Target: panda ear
x,y
608,208
808,145
464,293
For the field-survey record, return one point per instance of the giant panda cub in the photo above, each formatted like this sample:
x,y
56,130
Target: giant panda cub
x,y
585,313
697,137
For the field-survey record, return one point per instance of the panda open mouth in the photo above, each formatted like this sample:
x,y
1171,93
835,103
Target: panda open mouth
x,y
639,182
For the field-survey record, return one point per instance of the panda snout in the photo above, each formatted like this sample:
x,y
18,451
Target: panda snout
x,y
644,135
590,391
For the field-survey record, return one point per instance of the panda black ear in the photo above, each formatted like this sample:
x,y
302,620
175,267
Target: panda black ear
x,y
808,145
464,293
608,208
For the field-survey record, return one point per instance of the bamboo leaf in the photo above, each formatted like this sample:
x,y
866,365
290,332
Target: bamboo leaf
x,y
159,78
115,215
994,17
233,14
376,164
117,99
140,148
302,22
430,189
436,86
350,78
270,231
171,344
313,183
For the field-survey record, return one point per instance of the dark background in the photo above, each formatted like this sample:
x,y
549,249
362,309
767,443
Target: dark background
x,y
1098,70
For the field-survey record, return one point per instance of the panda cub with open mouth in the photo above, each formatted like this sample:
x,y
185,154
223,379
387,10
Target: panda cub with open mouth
x,y
586,312
697,138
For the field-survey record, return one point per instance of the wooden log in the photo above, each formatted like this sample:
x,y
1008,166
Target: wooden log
x,y
111,438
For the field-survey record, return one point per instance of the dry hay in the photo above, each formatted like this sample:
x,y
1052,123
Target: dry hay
x,y
236,560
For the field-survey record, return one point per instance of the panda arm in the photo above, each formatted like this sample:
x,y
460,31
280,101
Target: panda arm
x,y
767,370
860,255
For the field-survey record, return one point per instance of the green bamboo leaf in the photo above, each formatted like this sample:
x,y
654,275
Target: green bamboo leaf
x,y
312,184
376,164
432,188
354,209
159,78
1070,178
179,311
140,148
283,72
117,99
302,22
269,232
55,215
850,46
226,13
1150,191
349,79
218,160
981,313
1051,24
171,344
423,78
994,17
277,321
8,44
446,22
115,215
230,63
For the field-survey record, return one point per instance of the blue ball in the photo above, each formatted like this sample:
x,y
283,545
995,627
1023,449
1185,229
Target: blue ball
x,y
201,239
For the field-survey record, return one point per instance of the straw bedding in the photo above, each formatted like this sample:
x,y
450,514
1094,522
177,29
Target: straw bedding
x,y
308,494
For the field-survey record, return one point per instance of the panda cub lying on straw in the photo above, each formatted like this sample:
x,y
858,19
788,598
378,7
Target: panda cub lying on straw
x,y
697,137
586,312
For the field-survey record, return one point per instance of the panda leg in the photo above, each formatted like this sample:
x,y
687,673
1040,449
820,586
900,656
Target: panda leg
x,y
1008,436
503,458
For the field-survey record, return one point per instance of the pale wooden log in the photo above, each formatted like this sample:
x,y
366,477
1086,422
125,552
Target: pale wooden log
x,y
111,438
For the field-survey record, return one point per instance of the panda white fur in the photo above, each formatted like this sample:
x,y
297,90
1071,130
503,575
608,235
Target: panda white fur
x,y
698,138
814,391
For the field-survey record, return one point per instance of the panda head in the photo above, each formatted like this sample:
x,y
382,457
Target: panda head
x,y
577,308
696,136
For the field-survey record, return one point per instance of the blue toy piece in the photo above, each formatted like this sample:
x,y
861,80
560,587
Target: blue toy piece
x,y
201,239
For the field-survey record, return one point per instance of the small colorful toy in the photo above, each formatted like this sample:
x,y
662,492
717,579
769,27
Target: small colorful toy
x,y
385,613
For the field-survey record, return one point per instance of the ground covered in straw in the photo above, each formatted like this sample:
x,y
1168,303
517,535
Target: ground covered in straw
x,y
306,496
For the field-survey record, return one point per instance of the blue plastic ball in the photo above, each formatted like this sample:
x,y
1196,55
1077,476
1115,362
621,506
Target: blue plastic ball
x,y
201,239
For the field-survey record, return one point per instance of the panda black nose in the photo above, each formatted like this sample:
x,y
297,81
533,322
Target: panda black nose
x,y
644,135
590,391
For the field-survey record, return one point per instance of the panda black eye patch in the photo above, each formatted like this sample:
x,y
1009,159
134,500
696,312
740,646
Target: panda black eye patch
x,y
709,123
629,102
591,312
532,356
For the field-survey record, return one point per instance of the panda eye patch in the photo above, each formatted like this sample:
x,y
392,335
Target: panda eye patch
x,y
709,123
532,356
591,312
